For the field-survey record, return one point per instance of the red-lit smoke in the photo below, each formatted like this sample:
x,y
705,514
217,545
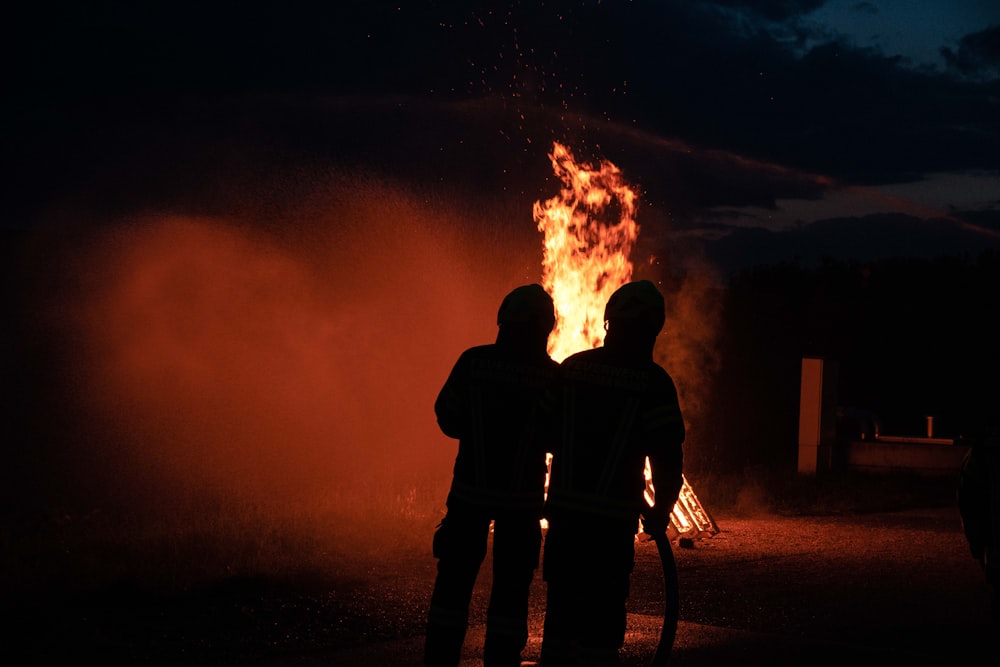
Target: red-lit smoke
x,y
287,363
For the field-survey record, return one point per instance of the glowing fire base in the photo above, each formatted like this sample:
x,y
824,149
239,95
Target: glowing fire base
x,y
689,518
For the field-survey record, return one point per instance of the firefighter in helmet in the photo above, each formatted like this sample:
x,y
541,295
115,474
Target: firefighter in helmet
x,y
489,402
616,407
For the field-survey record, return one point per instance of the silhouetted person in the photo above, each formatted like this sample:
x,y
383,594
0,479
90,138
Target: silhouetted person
x,y
616,406
979,505
489,402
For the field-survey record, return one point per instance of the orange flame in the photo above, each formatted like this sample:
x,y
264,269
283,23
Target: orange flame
x,y
586,252
585,259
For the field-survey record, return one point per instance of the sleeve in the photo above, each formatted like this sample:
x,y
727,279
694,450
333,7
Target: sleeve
x,y
665,426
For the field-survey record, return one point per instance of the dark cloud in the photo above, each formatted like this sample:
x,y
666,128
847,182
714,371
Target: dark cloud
x,y
704,104
774,10
870,238
220,156
978,54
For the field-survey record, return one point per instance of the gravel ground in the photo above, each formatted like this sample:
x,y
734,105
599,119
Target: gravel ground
x,y
817,590
765,590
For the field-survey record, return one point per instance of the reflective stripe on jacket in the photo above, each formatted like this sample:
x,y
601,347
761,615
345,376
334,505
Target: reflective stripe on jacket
x,y
610,419
490,404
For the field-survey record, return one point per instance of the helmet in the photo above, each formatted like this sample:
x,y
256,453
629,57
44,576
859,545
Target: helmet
x,y
528,304
639,300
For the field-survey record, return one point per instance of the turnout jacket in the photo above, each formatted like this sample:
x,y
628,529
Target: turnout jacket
x,y
490,403
611,412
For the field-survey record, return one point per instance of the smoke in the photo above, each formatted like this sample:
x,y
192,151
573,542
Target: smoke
x,y
286,363
277,342
688,349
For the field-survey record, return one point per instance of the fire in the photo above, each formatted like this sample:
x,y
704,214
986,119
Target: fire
x,y
586,250
589,231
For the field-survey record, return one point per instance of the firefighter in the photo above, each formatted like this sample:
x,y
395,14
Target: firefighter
x,y
615,407
490,404
979,506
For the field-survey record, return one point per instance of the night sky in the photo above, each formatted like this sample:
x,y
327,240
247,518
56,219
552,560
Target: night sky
x,y
730,115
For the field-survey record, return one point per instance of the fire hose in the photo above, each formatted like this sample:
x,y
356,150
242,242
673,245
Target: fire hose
x,y
671,606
